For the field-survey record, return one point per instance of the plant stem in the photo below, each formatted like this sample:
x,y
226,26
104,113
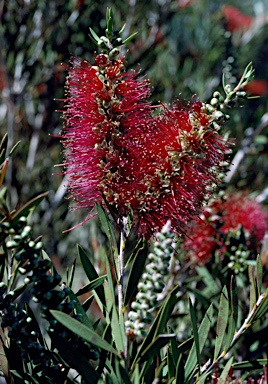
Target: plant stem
x,y
207,368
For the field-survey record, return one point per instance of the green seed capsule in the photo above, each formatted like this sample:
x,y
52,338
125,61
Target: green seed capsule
x,y
12,244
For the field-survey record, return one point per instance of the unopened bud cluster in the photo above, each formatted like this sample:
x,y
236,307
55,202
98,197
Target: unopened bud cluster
x,y
233,96
237,250
43,286
151,284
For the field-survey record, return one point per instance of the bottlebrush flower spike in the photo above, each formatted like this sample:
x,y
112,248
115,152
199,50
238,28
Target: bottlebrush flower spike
x,y
233,225
104,104
118,152
236,20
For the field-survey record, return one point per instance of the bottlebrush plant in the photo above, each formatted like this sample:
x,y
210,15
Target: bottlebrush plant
x,y
146,171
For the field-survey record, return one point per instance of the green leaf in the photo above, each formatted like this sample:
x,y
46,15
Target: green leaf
x,y
222,321
166,311
174,348
202,299
91,286
159,323
91,273
225,372
70,276
153,349
186,345
79,309
128,39
234,299
109,20
195,334
107,227
259,272
118,336
248,74
252,287
122,373
252,364
224,82
110,283
122,29
207,279
87,303
202,378
202,337
13,148
230,333
135,272
180,376
28,207
76,360
52,268
171,364
3,148
95,36
83,331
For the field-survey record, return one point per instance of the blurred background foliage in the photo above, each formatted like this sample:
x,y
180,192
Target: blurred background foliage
x,y
183,46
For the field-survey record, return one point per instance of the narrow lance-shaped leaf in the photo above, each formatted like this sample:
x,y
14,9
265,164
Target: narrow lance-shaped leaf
x,y
166,311
113,320
259,272
159,323
195,333
135,272
83,331
180,376
13,148
25,210
91,272
230,332
202,337
225,372
208,279
3,148
129,38
79,309
252,287
70,275
222,321
75,358
232,322
170,364
153,349
249,365
107,227
92,285
234,299
95,37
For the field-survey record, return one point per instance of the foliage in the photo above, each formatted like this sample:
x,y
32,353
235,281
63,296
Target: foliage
x,y
204,324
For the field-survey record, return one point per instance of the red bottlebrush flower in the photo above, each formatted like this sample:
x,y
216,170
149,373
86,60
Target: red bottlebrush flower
x,y
257,87
156,168
236,20
181,166
220,222
241,211
103,104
